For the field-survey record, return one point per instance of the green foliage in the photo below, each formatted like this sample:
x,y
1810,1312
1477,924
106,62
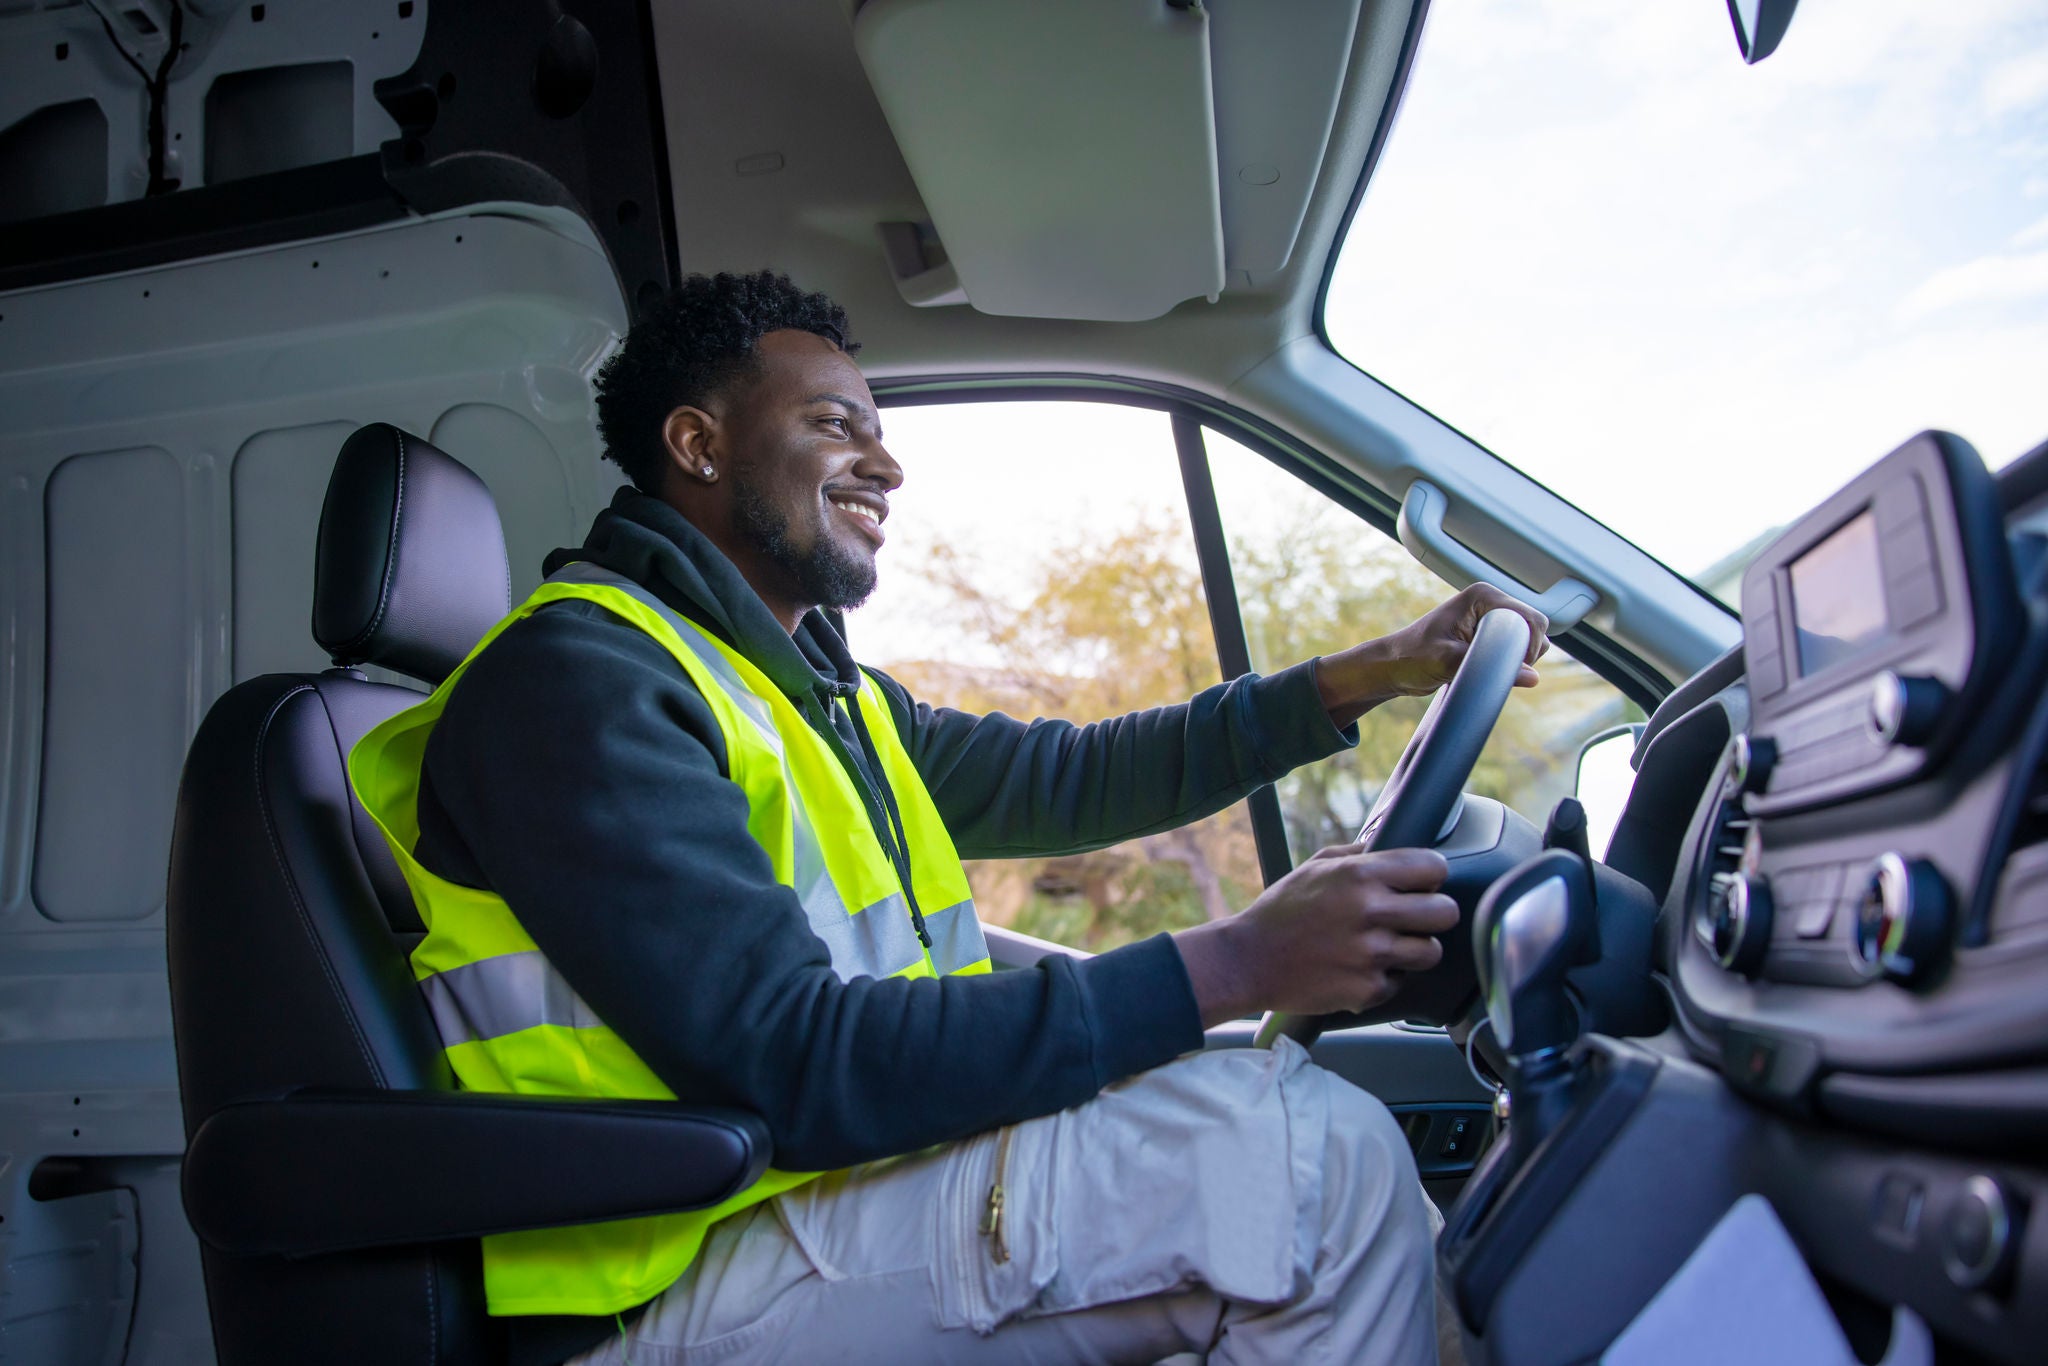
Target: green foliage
x,y
1150,899
1118,624
1330,583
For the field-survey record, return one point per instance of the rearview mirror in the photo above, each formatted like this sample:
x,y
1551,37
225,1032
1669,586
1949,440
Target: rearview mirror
x,y
1604,782
1759,24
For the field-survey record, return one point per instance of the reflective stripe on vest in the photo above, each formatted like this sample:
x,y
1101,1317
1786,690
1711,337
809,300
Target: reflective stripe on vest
x,y
493,997
509,1022
880,940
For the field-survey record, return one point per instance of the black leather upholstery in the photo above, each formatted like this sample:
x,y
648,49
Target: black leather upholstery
x,y
284,975
336,1179
418,1166
410,570
354,706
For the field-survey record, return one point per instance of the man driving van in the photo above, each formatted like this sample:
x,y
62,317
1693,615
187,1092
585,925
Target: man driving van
x,y
674,842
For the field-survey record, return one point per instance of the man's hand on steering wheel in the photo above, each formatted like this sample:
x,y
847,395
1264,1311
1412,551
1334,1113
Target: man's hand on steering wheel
x,y
1420,657
1330,936
1337,935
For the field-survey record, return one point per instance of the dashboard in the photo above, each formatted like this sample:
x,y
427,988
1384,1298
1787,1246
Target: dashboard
x,y
1850,901
1841,831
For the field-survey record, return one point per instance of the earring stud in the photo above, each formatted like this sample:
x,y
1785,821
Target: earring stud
x,y
707,471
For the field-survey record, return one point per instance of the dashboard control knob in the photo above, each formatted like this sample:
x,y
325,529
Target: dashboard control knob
x,y
1980,1236
1751,767
1906,711
1902,922
1742,924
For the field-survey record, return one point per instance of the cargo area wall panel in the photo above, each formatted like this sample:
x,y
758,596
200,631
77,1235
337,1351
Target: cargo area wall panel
x,y
114,734
278,482
165,442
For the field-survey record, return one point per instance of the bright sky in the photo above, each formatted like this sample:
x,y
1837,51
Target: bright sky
x,y
1691,295
1009,483
1695,296
1094,470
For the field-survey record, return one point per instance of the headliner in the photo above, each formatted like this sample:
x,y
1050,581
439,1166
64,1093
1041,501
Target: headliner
x,y
740,79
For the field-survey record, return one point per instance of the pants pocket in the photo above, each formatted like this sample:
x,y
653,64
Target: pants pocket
x,y
1205,1172
991,1226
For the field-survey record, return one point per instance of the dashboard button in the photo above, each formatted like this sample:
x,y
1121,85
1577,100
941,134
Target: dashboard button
x,y
1807,896
1906,711
1915,598
1900,505
1774,1064
1766,673
1812,919
1751,766
1742,925
1899,1202
1979,1236
1902,920
1457,1141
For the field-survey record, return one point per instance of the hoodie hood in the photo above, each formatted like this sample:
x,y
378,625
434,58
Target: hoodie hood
x,y
652,544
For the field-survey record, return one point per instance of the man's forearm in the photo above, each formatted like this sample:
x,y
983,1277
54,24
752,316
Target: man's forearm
x,y
1355,681
1420,657
1010,789
1225,988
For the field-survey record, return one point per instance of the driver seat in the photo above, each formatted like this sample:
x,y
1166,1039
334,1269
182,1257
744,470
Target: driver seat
x,y
336,1178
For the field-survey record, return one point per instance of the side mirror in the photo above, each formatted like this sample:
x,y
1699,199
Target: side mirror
x,y
1759,24
1604,780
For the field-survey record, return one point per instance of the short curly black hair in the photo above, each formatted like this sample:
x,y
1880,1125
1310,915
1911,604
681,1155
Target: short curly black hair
x,y
688,348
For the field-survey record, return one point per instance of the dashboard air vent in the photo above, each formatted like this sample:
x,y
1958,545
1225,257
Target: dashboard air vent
x,y
1723,859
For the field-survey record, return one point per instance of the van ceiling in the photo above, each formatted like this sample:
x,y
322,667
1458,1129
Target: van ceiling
x,y
1066,151
1106,161
778,150
781,157
254,91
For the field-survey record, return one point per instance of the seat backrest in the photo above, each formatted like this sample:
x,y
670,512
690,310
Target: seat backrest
x,y
288,921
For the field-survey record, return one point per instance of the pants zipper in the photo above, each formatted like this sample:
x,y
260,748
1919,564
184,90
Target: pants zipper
x,y
992,1214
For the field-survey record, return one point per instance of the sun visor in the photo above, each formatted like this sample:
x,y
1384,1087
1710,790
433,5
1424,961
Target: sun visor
x,y
1278,68
1065,149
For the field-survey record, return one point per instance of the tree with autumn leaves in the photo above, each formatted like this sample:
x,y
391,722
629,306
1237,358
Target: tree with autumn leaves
x,y
1114,624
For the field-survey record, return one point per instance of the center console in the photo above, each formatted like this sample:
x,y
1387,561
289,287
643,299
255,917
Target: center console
x,y
1876,631
1854,940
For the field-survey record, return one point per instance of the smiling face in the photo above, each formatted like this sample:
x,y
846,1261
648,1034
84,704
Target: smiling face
x,y
798,481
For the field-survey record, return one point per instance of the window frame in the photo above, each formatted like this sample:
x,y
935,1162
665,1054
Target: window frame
x,y
1404,67
1190,414
1411,43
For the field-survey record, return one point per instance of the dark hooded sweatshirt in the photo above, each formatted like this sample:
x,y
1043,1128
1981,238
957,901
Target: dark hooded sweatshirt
x,y
578,773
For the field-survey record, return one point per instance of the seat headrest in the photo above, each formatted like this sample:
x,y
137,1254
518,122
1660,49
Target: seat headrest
x,y
410,569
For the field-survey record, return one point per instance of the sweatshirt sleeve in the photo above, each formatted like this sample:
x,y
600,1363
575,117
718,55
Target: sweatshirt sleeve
x,y
1008,788
578,773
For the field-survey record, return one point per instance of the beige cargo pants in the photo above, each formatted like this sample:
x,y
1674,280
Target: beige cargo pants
x,y
1242,1206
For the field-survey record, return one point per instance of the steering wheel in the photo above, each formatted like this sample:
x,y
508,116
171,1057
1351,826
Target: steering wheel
x,y
1427,785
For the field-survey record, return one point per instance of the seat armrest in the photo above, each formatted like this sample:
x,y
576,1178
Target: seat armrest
x,y
313,1172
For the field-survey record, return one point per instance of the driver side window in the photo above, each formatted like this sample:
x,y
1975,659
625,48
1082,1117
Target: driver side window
x,y
1313,578
1042,561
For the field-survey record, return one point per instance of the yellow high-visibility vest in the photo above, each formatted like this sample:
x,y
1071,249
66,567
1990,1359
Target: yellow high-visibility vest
x,y
510,1023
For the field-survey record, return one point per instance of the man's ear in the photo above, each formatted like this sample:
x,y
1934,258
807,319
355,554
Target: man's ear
x,y
690,436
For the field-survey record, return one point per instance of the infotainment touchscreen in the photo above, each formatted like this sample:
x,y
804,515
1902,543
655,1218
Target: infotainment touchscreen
x,y
1903,571
1838,595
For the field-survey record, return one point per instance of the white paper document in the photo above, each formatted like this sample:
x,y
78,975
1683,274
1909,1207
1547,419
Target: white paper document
x,y
1746,1296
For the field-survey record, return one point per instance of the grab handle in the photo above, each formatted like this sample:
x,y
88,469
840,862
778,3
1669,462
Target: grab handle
x,y
1421,528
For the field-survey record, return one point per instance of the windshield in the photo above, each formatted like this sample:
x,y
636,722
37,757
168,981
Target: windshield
x,y
1694,296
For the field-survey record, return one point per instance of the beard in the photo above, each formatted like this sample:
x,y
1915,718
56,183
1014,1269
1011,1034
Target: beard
x,y
826,573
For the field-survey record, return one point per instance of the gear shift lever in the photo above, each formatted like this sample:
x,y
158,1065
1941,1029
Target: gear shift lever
x,y
1532,927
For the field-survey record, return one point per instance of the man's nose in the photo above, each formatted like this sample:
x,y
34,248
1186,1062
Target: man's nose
x,y
877,464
